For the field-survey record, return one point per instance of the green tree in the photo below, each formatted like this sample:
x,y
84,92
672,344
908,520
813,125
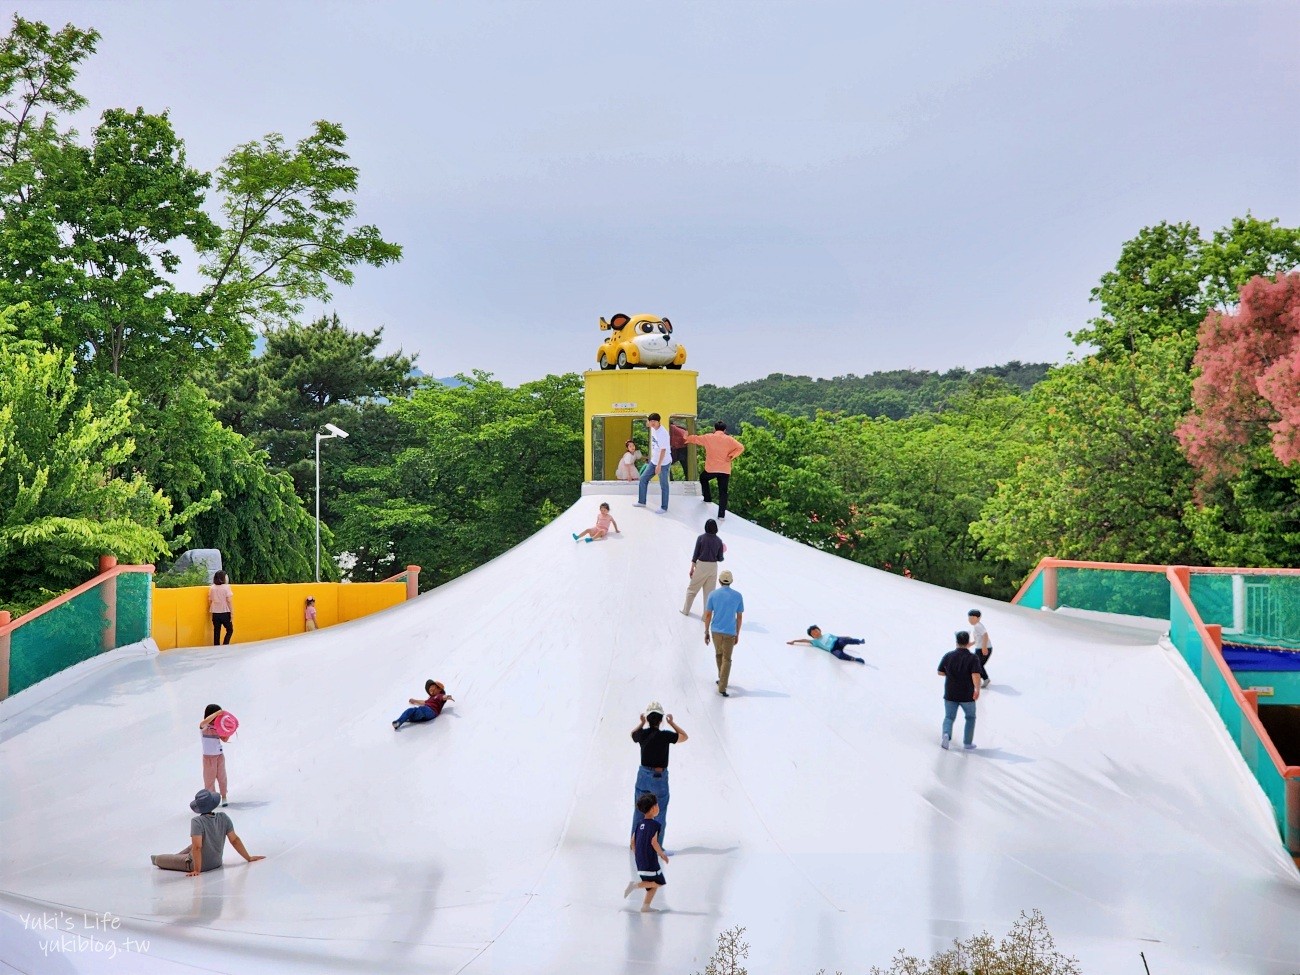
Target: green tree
x,y
62,504
98,243
1169,276
891,494
286,235
483,465
307,376
1103,477
225,493
37,69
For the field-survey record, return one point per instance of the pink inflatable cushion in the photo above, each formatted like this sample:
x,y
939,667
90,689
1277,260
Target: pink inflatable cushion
x,y
225,724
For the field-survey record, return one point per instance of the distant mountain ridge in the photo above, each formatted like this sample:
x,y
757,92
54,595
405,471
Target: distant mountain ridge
x,y
896,394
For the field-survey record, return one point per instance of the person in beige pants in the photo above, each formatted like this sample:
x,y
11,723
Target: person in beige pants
x,y
724,611
704,565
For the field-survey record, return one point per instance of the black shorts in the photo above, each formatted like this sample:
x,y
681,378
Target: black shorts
x,y
656,879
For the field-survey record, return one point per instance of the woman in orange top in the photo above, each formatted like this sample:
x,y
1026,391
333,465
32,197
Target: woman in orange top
x,y
221,604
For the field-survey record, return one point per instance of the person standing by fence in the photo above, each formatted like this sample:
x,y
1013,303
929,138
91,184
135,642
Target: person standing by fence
x,y
221,604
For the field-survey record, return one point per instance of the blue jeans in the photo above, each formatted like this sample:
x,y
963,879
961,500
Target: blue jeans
x,y
846,641
417,714
655,783
950,715
643,486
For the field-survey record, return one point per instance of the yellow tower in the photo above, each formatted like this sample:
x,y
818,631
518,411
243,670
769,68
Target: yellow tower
x,y
617,403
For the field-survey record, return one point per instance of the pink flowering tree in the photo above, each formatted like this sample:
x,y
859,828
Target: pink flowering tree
x,y
1248,390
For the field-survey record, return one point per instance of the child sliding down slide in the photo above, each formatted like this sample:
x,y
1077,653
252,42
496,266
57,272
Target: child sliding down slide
x,y
425,710
832,644
603,520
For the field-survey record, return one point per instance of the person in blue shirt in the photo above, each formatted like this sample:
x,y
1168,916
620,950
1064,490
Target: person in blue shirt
x,y
645,846
724,611
832,644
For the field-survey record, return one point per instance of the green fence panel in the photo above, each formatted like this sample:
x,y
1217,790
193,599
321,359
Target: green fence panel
x,y
1212,597
66,635
1033,596
1114,591
134,607
75,631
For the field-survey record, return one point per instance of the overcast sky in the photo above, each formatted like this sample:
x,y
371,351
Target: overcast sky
x,y
809,188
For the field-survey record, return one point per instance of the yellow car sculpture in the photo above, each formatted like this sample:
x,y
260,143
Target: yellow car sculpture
x,y
639,340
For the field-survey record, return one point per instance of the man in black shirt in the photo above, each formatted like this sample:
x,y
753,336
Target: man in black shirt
x,y
960,670
652,776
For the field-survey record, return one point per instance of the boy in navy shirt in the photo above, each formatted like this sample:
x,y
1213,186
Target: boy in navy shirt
x,y
645,843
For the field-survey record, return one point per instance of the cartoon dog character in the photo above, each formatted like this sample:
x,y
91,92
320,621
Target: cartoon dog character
x,y
639,340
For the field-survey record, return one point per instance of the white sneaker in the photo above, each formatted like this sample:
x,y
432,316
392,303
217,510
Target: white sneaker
x,y
629,888
970,747
944,742
638,504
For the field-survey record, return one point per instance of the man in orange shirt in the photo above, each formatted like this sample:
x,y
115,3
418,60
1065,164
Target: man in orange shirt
x,y
719,451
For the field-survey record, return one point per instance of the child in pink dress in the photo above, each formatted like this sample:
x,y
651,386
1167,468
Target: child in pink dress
x,y
309,614
603,520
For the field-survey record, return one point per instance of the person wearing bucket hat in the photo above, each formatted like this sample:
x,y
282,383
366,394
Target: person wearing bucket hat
x,y
652,774
209,831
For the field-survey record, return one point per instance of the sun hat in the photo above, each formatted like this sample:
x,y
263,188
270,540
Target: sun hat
x,y
205,801
725,577
225,724
654,707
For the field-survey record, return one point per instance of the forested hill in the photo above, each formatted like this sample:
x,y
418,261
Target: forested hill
x,y
896,394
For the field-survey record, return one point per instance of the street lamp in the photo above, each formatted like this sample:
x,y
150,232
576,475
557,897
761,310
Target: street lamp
x,y
333,432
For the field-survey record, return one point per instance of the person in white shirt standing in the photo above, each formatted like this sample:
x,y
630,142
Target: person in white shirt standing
x,y
980,643
661,456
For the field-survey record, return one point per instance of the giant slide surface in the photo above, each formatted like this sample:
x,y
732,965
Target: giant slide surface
x,y
813,806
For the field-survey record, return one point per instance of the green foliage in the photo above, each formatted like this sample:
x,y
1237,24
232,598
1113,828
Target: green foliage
x,y
1102,477
897,394
285,237
1168,277
481,465
891,494
61,503
37,69
1251,518
307,376
1028,949
96,243
225,493
195,575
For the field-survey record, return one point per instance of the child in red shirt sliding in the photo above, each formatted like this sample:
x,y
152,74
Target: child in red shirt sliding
x,y
425,710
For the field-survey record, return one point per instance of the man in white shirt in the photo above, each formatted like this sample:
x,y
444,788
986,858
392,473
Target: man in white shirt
x,y
661,456
980,643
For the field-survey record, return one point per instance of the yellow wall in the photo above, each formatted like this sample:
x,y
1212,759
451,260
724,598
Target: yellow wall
x,y
631,394
181,618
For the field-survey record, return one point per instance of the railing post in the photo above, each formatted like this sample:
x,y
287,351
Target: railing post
x,y
1293,814
412,581
5,619
108,593
1216,633
1184,576
1051,596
